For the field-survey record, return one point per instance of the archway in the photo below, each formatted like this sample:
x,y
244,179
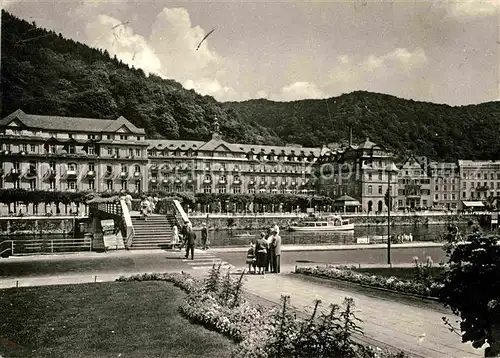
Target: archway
x,y
380,205
370,206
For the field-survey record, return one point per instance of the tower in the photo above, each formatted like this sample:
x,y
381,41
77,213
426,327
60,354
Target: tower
x,y
216,129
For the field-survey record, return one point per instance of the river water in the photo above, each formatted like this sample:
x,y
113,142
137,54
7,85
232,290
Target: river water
x,y
419,233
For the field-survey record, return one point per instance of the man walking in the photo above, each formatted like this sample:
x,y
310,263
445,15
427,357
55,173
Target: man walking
x,y
190,241
204,236
277,250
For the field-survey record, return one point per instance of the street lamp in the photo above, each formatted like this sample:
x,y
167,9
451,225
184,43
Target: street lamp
x,y
392,169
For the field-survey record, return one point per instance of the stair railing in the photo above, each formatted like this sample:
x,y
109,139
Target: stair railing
x,y
9,248
175,209
127,221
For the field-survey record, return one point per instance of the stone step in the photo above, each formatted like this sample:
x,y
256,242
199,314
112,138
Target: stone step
x,y
151,238
152,228
152,233
154,246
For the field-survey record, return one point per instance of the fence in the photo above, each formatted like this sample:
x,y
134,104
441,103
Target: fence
x,y
59,244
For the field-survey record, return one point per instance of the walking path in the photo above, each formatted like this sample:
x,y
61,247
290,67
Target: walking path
x,y
417,330
335,247
203,260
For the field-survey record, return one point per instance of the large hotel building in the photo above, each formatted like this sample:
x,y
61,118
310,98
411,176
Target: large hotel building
x,y
83,154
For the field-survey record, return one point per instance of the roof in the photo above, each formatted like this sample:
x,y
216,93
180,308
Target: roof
x,y
347,200
478,163
70,124
161,144
215,144
473,203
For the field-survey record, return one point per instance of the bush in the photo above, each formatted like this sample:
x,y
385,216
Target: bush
x,y
428,288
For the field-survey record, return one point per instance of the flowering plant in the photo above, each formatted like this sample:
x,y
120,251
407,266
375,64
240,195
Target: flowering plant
x,y
427,288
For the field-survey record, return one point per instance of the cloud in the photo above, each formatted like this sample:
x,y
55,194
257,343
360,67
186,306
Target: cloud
x,y
297,91
400,61
472,8
400,68
169,51
174,40
214,88
118,39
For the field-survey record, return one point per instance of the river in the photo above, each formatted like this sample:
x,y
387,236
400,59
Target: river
x,y
419,233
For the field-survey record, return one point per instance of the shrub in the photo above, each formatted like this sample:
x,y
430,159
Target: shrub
x,y
429,288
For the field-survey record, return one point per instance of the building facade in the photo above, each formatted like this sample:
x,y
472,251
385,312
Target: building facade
x,y
217,166
445,185
71,154
82,154
365,172
479,180
414,186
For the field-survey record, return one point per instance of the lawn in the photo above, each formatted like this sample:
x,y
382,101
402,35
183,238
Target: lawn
x,y
126,319
406,273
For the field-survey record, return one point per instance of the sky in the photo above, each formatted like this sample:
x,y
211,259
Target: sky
x,y
437,51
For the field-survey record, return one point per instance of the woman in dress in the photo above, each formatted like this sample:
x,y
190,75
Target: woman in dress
x,y
261,253
145,208
175,236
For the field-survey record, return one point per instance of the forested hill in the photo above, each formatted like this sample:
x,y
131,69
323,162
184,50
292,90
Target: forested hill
x,y
43,73
435,130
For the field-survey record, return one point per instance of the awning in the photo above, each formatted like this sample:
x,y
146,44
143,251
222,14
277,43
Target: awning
x,y
346,200
473,204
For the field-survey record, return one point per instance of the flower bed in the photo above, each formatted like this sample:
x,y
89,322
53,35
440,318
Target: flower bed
x,y
349,274
264,333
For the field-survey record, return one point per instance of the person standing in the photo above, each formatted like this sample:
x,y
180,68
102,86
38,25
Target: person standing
x,y
190,241
175,236
268,238
270,251
261,253
128,201
145,208
251,260
277,251
204,236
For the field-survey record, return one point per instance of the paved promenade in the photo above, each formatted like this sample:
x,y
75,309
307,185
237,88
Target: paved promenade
x,y
412,328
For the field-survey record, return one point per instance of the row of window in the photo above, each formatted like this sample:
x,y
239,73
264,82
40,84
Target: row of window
x,y
18,132
483,185
480,195
268,157
71,149
474,175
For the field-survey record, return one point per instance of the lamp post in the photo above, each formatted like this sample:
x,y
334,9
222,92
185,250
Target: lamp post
x,y
391,170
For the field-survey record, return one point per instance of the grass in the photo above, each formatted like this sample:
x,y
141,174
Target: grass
x,y
406,273
126,319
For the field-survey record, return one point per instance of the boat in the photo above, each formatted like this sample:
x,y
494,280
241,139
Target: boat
x,y
247,234
330,223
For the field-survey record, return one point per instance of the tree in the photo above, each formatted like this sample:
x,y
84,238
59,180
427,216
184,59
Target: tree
x,y
472,288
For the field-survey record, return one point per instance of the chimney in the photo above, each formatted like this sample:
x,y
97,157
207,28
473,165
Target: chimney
x,y
350,136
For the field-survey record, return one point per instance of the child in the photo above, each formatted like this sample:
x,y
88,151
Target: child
x,y
251,261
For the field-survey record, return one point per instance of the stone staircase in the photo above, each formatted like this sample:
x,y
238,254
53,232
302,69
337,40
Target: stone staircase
x,y
155,233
